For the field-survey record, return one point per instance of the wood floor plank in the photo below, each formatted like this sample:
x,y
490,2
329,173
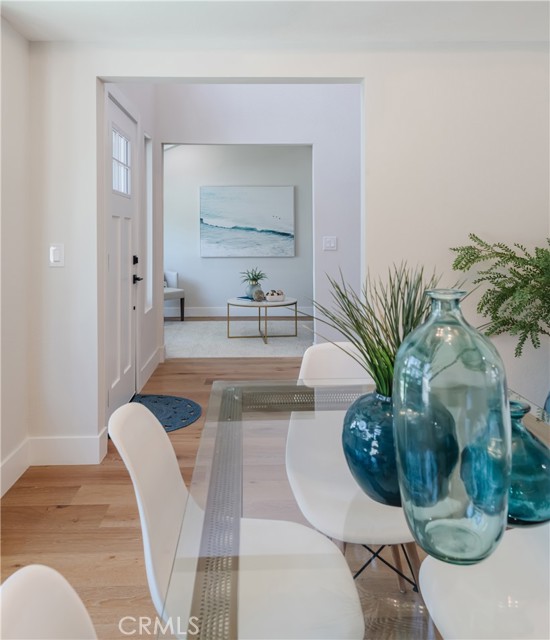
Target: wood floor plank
x,y
113,494
73,539
93,569
39,495
53,517
83,520
121,516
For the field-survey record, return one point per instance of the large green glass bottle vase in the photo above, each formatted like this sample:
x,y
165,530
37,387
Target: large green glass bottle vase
x,y
449,379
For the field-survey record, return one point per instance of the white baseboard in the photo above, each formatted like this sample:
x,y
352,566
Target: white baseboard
x,y
53,450
68,450
14,466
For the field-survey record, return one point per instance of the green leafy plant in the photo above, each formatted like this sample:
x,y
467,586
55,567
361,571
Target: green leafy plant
x,y
378,321
517,300
253,276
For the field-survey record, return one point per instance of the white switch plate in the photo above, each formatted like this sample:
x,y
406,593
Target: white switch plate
x,y
330,243
57,255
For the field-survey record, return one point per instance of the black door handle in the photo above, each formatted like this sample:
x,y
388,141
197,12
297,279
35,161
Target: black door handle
x,y
137,279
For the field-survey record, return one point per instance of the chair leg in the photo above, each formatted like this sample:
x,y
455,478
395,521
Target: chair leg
x,y
397,561
182,309
412,551
375,554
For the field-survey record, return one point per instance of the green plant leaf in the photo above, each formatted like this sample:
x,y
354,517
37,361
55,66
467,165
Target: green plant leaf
x,y
377,320
252,276
517,297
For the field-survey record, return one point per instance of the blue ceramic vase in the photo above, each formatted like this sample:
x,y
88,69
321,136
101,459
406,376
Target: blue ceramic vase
x,y
529,497
368,442
452,435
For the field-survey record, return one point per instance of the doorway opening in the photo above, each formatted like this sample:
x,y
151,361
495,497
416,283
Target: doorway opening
x,y
210,281
324,116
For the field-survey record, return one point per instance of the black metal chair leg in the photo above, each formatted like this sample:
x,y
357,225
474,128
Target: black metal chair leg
x,y
376,554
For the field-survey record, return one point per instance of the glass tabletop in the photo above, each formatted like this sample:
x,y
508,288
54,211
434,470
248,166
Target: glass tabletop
x,y
240,473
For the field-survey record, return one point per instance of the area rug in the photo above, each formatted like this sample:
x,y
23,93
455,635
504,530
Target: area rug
x,y
172,412
208,339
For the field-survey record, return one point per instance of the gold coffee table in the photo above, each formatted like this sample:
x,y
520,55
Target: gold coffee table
x,y
246,303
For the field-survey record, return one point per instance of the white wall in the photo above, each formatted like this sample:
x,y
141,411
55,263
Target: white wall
x,y
18,291
456,140
208,282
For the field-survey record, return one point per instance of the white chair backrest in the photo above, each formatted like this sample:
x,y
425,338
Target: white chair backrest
x,y
37,603
332,360
160,491
171,278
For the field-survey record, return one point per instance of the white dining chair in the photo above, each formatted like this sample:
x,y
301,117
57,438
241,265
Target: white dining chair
x,y
293,582
328,360
38,603
504,597
323,486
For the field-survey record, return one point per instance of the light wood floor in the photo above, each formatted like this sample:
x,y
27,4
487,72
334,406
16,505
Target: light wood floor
x,y
83,520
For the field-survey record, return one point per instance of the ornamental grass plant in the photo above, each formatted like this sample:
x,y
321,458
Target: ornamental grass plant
x,y
377,319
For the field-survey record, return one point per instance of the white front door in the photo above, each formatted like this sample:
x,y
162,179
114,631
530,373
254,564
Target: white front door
x,y
121,231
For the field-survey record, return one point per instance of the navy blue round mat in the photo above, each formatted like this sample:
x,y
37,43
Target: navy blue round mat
x,y
172,412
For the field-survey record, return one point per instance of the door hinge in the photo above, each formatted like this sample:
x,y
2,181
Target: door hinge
x,y
135,260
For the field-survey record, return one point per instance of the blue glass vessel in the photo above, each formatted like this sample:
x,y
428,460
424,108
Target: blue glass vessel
x,y
529,497
369,448
452,435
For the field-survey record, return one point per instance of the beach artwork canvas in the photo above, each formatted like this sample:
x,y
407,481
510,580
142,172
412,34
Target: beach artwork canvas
x,y
247,221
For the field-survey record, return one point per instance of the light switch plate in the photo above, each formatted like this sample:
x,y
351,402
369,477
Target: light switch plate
x,y
330,243
57,255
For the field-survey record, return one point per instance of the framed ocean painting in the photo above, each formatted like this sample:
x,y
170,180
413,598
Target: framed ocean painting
x,y
247,221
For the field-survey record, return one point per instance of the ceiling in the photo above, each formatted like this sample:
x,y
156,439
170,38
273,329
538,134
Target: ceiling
x,y
279,24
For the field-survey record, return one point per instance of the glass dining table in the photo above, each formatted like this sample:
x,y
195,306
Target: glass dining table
x,y
240,473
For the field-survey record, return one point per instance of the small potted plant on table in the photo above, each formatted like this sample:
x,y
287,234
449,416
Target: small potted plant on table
x,y
252,278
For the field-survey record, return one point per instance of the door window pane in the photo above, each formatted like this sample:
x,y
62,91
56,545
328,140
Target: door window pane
x,y
121,163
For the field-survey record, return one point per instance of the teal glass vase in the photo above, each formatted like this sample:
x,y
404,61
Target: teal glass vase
x,y
529,497
452,435
369,448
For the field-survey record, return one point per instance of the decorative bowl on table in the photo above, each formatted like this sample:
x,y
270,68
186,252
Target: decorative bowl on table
x,y
275,295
